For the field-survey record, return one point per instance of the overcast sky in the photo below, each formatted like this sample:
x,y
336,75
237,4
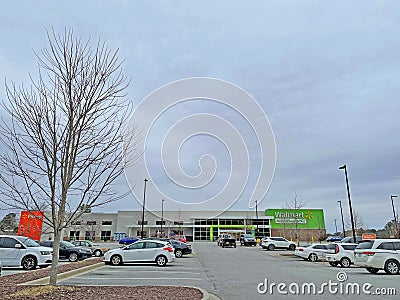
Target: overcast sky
x,y
327,76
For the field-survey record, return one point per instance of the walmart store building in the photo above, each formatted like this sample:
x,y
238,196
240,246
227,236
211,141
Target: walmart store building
x,y
195,225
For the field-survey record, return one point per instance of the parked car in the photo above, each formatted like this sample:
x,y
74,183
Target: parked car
x,y
272,243
22,251
247,240
69,251
177,237
159,252
128,240
340,253
96,249
299,251
313,252
225,240
181,248
379,254
334,238
350,239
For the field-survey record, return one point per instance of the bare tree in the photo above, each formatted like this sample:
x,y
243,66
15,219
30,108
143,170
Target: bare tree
x,y
64,137
358,221
295,205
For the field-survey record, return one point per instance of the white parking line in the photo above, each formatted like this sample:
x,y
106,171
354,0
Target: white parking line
x,y
140,278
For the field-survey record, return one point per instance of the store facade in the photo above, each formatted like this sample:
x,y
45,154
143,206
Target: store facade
x,y
195,225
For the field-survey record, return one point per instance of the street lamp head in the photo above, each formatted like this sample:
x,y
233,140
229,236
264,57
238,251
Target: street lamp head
x,y
393,196
342,167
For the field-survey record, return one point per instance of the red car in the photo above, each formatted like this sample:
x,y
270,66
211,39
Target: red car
x,y
180,238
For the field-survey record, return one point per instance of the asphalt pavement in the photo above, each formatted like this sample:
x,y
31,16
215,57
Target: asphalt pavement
x,y
247,273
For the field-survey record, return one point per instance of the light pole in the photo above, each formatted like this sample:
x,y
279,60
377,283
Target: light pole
x,y
341,213
394,215
335,226
344,167
162,216
144,203
257,220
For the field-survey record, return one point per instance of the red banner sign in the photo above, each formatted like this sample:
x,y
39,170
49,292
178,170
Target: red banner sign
x,y
30,224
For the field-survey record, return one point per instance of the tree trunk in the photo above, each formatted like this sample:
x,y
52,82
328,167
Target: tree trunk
x,y
54,263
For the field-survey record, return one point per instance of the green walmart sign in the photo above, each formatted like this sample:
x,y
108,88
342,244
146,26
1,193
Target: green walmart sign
x,y
305,218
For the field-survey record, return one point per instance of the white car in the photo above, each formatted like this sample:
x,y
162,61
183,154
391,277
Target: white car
x,y
272,243
379,254
340,253
22,251
159,252
313,252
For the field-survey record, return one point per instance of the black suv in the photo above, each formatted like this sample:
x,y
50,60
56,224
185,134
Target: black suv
x,y
69,251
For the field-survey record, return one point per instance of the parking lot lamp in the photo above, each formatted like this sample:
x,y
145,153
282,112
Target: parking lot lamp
x,y
344,167
341,213
257,220
144,203
394,215
162,216
335,227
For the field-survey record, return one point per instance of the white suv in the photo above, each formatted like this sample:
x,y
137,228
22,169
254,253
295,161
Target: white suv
x,y
22,251
379,254
272,243
340,253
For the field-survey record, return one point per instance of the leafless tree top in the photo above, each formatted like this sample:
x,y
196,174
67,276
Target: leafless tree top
x,y
63,138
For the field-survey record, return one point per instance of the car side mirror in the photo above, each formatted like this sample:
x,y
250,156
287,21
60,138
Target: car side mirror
x,y
18,246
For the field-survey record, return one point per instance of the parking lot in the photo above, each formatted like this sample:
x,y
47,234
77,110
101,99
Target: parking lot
x,y
235,273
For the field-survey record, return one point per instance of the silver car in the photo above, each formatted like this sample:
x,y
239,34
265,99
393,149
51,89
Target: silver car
x,y
379,254
159,252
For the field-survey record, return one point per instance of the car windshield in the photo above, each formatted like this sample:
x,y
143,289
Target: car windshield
x,y
91,244
67,244
27,241
248,236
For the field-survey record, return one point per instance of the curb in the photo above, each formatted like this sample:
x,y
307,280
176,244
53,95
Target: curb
x,y
206,295
65,275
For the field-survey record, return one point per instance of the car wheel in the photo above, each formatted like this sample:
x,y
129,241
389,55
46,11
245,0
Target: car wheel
x,y
313,257
372,270
178,253
161,261
292,247
116,260
392,267
97,253
73,257
29,262
345,262
271,247
333,264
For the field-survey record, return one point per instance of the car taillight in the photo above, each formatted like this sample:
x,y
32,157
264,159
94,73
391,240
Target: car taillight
x,y
169,249
336,249
368,253
189,246
300,249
